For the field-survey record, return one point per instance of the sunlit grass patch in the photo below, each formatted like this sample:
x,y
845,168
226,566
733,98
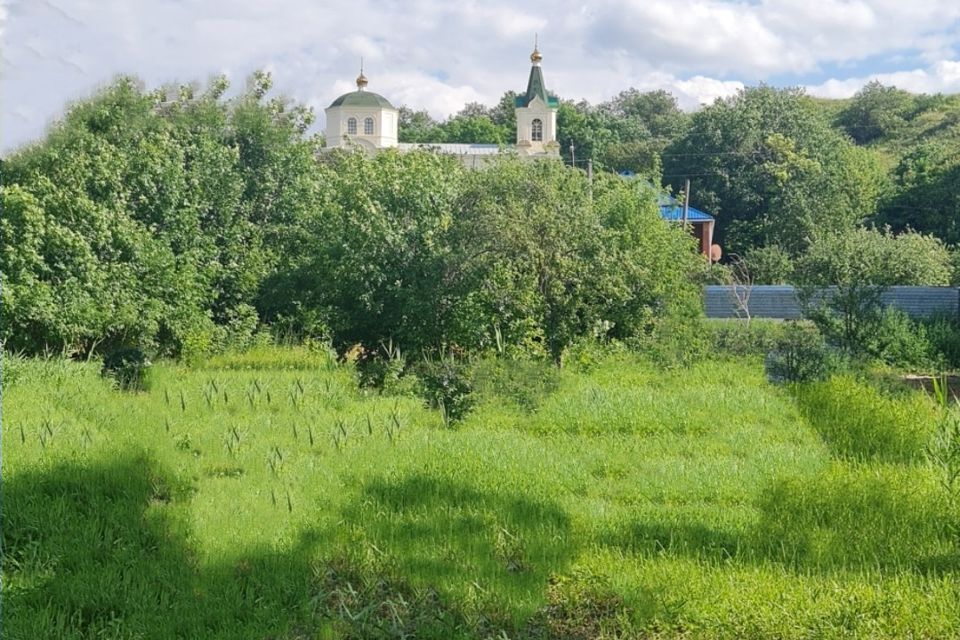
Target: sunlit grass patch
x,y
267,495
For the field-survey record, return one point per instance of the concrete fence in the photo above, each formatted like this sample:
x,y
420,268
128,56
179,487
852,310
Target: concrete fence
x,y
780,301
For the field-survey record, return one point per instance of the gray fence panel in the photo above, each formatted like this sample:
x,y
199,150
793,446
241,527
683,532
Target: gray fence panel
x,y
780,301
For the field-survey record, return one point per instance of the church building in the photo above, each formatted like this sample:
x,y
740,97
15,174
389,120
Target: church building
x,y
366,120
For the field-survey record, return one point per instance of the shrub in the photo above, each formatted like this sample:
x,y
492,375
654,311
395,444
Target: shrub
x,y
943,333
859,264
128,366
800,354
769,265
900,341
386,369
739,338
445,384
524,380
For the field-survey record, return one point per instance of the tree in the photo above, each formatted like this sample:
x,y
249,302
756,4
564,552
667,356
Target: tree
x,y
472,129
416,126
652,114
771,169
876,112
860,264
583,127
544,256
927,198
370,268
162,213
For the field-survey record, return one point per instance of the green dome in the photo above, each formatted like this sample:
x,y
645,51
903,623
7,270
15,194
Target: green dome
x,y
362,99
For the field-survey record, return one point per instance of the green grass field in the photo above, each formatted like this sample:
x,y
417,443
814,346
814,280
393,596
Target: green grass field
x,y
265,496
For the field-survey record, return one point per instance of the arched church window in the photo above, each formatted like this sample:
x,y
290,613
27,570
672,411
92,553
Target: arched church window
x,y
352,126
368,126
536,130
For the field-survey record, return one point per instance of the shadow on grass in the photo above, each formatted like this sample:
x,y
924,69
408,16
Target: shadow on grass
x,y
675,538
450,535
849,517
100,551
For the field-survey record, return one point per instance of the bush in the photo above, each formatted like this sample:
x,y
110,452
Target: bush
x,y
739,338
860,264
800,355
900,341
445,384
769,265
128,367
386,370
943,333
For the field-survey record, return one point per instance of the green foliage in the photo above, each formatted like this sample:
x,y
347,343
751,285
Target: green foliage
x,y
371,265
773,171
943,333
876,111
128,366
599,252
926,198
900,341
859,264
523,380
857,421
446,385
800,354
740,338
151,219
769,265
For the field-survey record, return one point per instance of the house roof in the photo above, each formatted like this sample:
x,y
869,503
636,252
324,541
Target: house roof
x,y
670,208
362,99
674,213
453,148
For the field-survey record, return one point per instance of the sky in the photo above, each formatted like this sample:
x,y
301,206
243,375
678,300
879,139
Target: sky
x,y
439,55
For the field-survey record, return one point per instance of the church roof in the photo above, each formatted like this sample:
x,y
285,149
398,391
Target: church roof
x,y
536,88
460,149
362,99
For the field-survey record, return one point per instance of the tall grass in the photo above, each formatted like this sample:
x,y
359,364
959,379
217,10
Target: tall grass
x,y
265,495
858,421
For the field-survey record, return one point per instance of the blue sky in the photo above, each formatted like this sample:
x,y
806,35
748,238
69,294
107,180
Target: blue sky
x,y
438,55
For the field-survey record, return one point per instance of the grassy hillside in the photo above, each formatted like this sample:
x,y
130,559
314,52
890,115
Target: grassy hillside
x,y
265,496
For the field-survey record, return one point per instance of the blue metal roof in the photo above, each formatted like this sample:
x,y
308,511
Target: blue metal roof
x,y
674,212
671,208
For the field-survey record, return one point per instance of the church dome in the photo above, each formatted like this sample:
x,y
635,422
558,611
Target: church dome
x,y
362,99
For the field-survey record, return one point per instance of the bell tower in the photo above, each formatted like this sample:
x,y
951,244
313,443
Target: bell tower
x,y
536,112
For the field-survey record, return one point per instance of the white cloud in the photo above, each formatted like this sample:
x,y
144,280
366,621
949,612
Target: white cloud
x,y
772,36
941,77
438,55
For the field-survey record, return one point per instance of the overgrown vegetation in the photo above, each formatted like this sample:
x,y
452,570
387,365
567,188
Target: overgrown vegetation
x,y
501,414
266,494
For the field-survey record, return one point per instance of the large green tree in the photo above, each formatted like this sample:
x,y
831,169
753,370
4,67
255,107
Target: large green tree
x,y
773,171
160,214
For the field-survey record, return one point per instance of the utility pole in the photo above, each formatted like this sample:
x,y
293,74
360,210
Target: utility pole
x,y
590,170
573,158
686,202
